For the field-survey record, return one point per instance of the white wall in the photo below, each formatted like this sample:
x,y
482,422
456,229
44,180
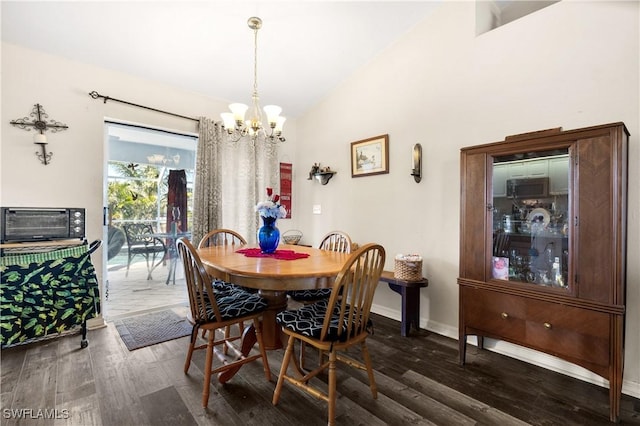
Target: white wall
x,y
570,65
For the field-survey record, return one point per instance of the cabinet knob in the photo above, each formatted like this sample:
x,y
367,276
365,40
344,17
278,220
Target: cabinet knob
x,y
504,315
547,325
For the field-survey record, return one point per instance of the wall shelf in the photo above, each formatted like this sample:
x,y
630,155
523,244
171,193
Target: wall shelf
x,y
324,177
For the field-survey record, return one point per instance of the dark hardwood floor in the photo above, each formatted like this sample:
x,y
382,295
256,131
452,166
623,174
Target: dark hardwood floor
x,y
418,377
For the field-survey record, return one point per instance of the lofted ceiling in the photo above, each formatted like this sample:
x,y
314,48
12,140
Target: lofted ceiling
x,y
305,48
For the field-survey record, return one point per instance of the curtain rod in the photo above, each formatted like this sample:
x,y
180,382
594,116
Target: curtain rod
x,y
96,95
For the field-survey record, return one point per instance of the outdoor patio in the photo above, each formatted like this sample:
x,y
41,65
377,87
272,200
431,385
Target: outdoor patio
x,y
134,293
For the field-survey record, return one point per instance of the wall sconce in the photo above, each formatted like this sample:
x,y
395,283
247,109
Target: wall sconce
x,y
322,174
44,156
40,125
416,163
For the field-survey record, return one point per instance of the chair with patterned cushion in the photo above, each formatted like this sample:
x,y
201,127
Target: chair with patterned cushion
x,y
140,241
335,325
334,241
212,309
222,237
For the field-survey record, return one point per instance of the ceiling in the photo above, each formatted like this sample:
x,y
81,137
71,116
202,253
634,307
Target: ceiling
x,y
305,48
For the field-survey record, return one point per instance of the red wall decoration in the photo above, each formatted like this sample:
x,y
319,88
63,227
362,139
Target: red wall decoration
x,y
286,173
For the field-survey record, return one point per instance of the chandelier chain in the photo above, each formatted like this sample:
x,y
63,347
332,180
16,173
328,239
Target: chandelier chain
x,y
255,62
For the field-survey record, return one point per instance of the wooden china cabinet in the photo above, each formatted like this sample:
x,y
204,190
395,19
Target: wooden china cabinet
x,y
542,246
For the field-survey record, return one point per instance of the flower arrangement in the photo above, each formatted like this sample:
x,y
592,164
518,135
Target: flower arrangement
x,y
271,207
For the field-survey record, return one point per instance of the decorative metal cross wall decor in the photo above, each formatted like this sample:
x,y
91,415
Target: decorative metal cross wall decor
x,y
40,124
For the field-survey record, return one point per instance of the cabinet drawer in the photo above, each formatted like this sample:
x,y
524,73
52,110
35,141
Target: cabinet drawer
x,y
576,334
497,314
567,331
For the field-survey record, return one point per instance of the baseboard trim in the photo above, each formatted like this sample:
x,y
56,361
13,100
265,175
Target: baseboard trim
x,y
95,323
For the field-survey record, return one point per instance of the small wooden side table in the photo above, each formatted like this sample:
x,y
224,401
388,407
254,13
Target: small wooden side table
x,y
410,292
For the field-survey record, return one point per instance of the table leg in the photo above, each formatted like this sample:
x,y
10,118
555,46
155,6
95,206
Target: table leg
x,y
172,271
412,299
248,340
172,255
271,331
410,307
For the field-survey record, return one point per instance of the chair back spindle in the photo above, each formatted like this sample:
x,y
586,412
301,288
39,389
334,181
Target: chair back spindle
x,y
336,241
222,237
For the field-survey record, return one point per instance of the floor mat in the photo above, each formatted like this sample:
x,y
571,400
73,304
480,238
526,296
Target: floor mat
x,y
152,328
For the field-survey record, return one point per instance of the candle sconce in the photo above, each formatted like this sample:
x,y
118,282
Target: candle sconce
x,y
322,174
416,163
40,125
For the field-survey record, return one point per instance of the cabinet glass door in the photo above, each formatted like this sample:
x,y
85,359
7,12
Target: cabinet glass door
x,y
531,218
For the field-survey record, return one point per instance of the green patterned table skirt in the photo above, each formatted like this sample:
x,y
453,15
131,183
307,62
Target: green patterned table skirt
x,y
46,293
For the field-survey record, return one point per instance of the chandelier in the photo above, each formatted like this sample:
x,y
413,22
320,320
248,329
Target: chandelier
x,y
234,122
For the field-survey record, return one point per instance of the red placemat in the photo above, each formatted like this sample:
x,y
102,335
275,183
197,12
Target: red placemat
x,y
278,254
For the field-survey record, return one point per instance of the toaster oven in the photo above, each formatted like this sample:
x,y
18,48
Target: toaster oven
x,y
23,224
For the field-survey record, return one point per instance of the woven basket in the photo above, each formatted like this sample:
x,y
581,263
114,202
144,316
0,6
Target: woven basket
x,y
292,236
408,270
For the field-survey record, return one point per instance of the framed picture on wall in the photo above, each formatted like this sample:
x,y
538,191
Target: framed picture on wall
x,y
370,156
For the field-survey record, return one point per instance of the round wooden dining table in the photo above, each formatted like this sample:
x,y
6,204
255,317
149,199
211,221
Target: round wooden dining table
x,y
272,277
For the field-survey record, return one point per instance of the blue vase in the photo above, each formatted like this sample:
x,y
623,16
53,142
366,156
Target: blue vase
x,y
268,235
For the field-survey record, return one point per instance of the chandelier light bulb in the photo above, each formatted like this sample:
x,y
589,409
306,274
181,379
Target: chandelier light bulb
x,y
238,110
228,121
273,112
279,125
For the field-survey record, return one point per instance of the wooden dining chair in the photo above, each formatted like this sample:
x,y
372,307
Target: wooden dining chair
x,y
334,241
335,325
337,241
212,309
222,237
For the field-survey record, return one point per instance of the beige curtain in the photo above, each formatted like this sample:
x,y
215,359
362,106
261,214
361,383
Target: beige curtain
x,y
207,207
231,177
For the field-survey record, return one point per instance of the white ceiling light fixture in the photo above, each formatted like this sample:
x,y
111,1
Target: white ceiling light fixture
x,y
234,122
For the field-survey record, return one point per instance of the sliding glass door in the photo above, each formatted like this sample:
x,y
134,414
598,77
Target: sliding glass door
x,y
139,191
